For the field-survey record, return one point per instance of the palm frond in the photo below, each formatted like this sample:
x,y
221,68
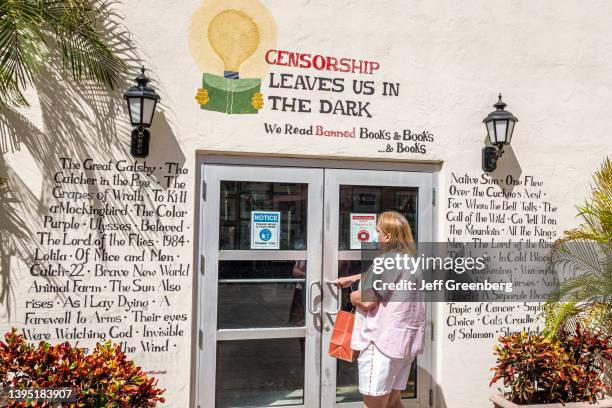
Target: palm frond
x,y
10,94
74,26
556,314
586,252
601,205
32,32
22,48
598,211
576,254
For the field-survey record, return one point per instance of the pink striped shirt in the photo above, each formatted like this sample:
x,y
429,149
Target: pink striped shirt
x,y
396,327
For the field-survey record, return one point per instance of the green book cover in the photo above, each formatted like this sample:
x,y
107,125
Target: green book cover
x,y
230,96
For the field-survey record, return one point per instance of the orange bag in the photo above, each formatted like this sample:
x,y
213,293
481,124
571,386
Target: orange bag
x,y
340,343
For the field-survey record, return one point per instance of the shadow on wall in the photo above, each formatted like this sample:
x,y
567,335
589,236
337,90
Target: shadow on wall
x,y
507,166
79,121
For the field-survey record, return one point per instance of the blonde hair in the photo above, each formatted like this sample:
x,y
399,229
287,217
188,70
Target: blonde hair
x,y
400,234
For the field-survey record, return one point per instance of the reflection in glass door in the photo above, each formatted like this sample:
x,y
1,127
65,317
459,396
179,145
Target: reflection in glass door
x,y
367,200
260,330
352,196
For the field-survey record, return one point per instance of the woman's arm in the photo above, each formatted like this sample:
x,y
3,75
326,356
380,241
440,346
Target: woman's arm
x,y
357,302
346,281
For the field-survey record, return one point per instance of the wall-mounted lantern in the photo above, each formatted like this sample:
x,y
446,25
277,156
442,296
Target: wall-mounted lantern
x,y
141,100
500,125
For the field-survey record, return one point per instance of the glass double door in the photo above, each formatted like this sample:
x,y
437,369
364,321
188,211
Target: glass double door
x,y
271,241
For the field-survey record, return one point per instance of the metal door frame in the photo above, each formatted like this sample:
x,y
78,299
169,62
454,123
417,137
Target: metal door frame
x,y
208,335
234,159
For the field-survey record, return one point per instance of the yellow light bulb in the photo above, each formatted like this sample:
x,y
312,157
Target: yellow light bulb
x,y
234,37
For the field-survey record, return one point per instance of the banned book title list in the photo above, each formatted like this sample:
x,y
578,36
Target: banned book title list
x,y
107,258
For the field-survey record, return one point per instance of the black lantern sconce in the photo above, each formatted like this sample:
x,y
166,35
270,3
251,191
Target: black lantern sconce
x,y
141,100
500,125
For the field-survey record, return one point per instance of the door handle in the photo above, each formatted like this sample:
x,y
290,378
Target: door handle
x,y
329,314
333,286
310,298
332,322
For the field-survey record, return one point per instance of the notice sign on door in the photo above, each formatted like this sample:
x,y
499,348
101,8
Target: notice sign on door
x,y
265,229
363,229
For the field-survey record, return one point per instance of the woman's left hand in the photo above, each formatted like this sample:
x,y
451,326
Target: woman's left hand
x,y
355,298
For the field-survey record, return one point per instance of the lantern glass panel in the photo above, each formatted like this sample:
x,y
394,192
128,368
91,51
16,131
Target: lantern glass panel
x,y
135,104
147,111
510,130
501,126
491,131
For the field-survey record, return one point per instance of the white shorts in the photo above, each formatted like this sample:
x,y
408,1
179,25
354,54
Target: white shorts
x,y
379,374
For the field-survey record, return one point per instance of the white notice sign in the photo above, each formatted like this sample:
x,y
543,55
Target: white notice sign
x,y
265,229
363,229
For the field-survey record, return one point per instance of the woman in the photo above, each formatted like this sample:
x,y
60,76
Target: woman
x,y
388,330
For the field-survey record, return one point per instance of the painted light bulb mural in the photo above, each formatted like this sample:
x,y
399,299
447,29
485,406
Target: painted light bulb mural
x,y
228,40
234,37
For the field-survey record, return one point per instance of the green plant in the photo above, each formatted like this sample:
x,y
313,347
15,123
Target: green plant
x,y
538,369
586,251
104,378
588,351
533,367
33,33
